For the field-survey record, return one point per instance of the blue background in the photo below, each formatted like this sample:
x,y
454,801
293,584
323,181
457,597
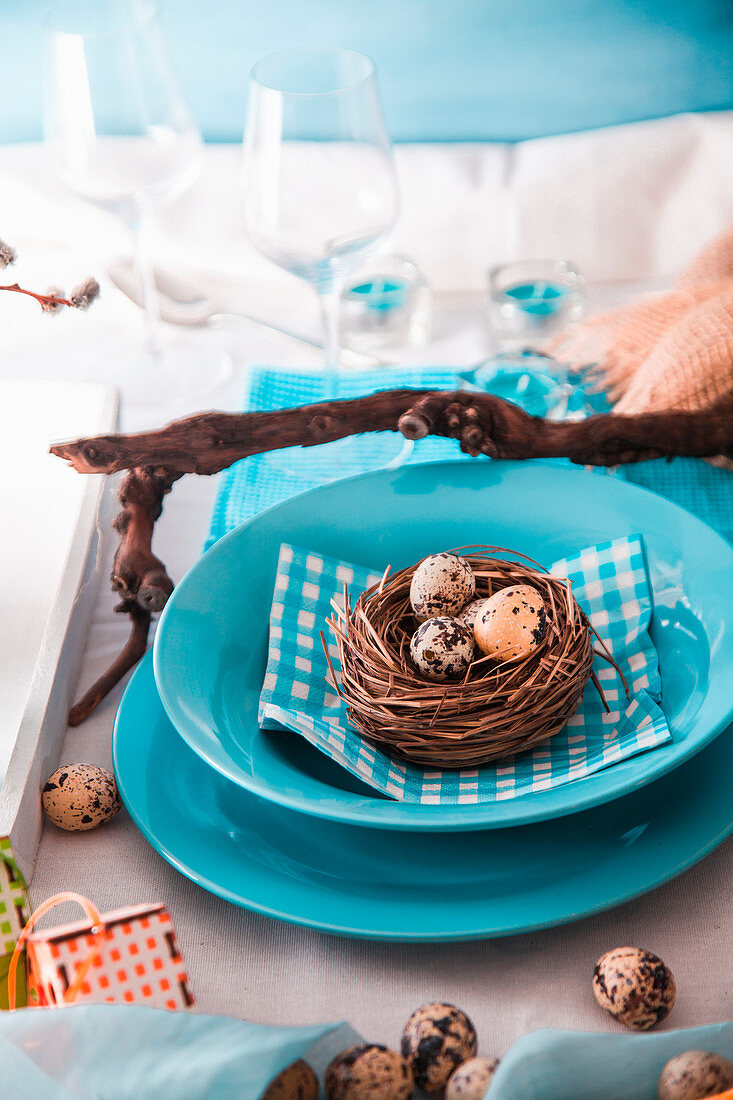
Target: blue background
x,y
450,69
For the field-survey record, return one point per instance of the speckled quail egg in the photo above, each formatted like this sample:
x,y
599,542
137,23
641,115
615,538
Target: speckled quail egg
x,y
511,623
295,1082
441,585
693,1075
442,648
80,796
635,987
471,1080
437,1038
470,611
369,1072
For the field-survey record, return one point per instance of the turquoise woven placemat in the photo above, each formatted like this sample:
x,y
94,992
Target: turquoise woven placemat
x,y
696,485
262,480
257,482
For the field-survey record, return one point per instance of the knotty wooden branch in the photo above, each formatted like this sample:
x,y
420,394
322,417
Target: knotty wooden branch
x,y
483,424
133,652
210,442
137,575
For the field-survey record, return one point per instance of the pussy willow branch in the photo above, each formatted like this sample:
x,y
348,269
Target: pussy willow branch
x,y
48,302
481,423
81,296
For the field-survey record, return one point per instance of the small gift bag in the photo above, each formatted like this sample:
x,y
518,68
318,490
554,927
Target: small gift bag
x,y
14,910
127,956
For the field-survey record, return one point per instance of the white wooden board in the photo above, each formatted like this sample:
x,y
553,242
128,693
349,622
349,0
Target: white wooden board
x,y
49,543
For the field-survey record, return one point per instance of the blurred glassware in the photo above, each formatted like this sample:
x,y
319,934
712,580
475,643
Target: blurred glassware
x,y
120,135
387,304
536,382
320,190
182,302
532,300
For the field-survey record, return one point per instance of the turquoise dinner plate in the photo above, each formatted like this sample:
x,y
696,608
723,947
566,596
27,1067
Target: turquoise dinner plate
x,y
211,645
408,886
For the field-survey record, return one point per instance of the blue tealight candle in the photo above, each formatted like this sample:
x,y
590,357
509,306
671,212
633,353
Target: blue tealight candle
x,y
381,295
541,298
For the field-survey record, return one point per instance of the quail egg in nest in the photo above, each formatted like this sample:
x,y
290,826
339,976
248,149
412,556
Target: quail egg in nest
x,y
441,585
442,648
511,623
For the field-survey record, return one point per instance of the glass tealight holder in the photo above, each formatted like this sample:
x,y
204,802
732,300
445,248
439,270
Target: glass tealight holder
x,y
388,304
532,300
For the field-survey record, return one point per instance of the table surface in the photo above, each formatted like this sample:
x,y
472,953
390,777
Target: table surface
x,y
240,963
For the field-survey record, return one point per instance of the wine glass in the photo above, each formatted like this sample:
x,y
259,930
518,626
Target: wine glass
x,y
119,134
320,190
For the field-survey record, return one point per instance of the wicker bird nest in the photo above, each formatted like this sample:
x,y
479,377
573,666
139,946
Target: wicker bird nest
x,y
496,709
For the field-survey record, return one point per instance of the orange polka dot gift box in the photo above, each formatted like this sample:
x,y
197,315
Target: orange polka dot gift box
x,y
130,956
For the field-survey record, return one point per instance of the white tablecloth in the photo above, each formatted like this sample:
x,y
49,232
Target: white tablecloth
x,y
635,202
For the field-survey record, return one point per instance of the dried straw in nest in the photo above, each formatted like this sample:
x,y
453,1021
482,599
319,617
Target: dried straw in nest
x,y
497,709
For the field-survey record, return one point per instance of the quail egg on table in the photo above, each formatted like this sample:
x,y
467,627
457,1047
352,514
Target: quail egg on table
x,y
635,987
78,797
511,623
441,585
442,648
694,1075
296,1082
471,1080
369,1072
436,1040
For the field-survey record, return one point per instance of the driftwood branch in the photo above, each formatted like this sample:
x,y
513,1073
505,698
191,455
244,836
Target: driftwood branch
x,y
482,423
210,442
133,652
137,574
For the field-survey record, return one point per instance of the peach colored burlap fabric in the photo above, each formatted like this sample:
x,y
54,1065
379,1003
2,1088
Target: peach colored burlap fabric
x,y
670,352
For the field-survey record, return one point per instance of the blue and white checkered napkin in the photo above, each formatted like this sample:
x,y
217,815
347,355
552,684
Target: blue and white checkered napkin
x,y
611,585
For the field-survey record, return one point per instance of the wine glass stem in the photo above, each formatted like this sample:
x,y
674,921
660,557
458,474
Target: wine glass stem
x,y
331,309
148,290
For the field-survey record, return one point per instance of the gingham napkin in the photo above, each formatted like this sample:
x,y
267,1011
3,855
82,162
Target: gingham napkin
x,y
610,583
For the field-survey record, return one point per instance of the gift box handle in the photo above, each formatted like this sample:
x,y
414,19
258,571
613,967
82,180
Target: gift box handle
x,y
82,970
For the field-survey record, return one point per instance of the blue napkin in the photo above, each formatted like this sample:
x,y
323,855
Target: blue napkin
x,y
256,483
90,1052
577,1065
609,581
129,1052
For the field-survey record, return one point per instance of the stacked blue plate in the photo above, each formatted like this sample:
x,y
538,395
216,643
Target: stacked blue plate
x,y
272,824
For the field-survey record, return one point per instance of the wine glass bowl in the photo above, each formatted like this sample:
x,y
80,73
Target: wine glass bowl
x,y
319,190
118,130
120,135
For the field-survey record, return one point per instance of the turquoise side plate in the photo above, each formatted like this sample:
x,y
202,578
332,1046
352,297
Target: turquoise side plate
x,y
381,884
211,645
576,1065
